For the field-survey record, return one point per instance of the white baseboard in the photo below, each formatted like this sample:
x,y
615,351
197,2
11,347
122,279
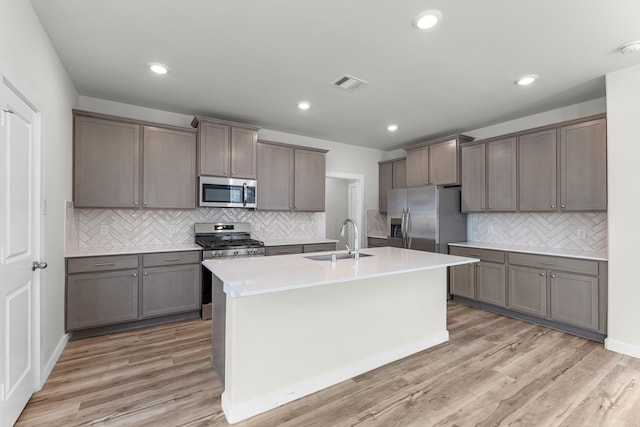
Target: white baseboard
x,y
48,367
622,347
243,410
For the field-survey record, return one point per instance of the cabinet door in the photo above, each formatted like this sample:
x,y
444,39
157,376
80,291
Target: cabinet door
x,y
99,299
169,171
443,163
501,175
243,152
385,183
399,174
528,290
491,283
537,171
583,166
418,167
309,185
106,163
283,250
214,141
319,247
169,290
473,178
463,282
574,299
275,177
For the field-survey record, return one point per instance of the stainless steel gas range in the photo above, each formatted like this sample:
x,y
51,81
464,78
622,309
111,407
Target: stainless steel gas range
x,y
223,240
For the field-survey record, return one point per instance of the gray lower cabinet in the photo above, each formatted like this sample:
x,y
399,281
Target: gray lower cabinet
x,y
318,247
170,290
103,298
463,280
298,249
491,283
574,299
528,290
108,290
377,242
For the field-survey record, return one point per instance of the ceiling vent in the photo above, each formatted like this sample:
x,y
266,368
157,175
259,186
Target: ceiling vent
x,y
349,83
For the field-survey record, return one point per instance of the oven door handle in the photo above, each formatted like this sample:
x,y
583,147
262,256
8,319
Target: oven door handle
x,y
244,194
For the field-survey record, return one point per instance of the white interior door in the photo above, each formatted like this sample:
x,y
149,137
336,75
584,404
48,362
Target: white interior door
x,y
19,248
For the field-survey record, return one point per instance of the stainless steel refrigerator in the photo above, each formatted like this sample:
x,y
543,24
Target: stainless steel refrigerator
x,y
425,218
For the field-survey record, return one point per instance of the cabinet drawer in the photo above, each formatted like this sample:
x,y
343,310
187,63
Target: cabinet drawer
x,y
555,263
482,254
377,242
283,250
171,258
319,247
101,263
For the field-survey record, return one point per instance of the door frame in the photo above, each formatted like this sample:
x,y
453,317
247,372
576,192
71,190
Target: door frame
x,y
356,181
39,212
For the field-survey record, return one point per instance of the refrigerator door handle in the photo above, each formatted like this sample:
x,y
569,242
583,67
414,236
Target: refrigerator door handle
x,y
403,228
408,229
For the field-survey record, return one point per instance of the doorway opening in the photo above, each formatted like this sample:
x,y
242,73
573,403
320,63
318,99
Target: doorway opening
x,y
344,198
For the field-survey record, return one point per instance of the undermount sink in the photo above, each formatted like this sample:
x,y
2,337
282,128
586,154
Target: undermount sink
x,y
327,257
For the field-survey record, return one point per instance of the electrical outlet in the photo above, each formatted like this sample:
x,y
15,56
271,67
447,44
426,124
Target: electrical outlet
x,y
490,229
172,229
104,229
581,233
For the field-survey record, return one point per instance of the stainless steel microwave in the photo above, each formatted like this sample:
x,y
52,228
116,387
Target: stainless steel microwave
x,y
227,192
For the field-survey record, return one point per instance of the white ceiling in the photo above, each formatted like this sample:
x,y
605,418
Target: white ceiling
x,y
252,61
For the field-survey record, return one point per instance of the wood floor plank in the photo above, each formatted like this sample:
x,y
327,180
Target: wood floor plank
x,y
494,371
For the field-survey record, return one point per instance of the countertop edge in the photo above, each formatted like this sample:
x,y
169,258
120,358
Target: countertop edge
x,y
130,250
534,250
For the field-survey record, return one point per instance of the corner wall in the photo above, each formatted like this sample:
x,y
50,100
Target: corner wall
x,y
623,137
29,61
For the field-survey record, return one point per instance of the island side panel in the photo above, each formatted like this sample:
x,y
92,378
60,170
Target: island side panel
x,y
285,345
219,320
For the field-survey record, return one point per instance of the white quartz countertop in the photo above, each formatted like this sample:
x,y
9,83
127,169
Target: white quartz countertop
x,y
571,253
302,241
127,250
261,275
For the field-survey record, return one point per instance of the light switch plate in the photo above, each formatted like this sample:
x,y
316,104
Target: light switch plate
x,y
581,233
104,229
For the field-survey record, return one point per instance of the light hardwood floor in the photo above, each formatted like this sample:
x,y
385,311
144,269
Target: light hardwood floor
x,y
494,371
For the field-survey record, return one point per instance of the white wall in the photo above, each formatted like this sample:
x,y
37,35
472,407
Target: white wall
x,y
30,62
623,152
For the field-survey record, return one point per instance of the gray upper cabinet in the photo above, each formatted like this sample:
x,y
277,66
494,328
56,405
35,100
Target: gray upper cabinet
x,y
123,163
537,171
391,174
435,162
418,167
225,148
290,177
501,175
309,180
106,163
169,175
443,163
473,178
583,166
275,177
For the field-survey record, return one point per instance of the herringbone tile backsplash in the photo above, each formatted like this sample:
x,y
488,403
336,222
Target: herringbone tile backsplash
x,y
551,230
112,227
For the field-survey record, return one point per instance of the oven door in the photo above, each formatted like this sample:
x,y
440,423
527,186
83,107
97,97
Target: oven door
x,y
227,192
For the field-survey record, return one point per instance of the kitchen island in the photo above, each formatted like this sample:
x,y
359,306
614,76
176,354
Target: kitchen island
x,y
288,326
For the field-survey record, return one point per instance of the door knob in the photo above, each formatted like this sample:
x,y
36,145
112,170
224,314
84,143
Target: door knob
x,y
38,264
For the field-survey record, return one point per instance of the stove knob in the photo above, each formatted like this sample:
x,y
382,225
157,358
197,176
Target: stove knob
x,y
250,252
235,252
219,253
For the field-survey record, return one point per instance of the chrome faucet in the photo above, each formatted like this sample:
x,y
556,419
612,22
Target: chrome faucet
x,y
356,245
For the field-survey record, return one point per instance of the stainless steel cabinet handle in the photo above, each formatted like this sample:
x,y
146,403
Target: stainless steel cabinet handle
x,y
547,263
553,206
135,203
135,274
563,206
145,203
173,259
542,274
553,276
146,274
103,264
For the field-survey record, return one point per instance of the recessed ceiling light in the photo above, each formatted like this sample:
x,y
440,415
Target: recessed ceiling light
x,y
427,19
630,47
159,68
304,105
392,128
526,80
